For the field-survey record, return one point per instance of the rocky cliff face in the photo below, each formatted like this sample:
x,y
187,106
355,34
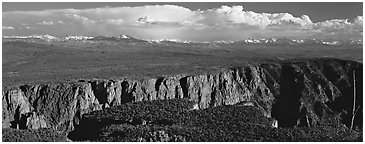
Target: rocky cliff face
x,y
295,92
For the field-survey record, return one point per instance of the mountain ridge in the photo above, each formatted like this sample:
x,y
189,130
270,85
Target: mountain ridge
x,y
50,38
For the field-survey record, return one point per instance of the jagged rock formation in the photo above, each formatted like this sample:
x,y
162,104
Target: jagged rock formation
x,y
295,92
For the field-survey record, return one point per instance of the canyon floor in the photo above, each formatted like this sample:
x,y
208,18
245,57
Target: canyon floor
x,y
35,74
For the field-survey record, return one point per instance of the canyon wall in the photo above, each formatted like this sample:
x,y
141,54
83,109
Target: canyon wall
x,y
295,92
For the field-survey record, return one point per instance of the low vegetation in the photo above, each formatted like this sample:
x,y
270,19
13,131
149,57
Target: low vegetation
x,y
40,135
174,120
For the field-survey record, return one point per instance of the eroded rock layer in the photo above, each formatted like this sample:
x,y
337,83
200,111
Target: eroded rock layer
x,y
295,92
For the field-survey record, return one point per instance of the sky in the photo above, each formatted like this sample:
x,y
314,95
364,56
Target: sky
x,y
195,21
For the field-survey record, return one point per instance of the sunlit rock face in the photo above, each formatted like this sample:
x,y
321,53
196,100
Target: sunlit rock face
x,y
293,92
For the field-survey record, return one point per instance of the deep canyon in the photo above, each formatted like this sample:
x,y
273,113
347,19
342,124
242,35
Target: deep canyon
x,y
295,92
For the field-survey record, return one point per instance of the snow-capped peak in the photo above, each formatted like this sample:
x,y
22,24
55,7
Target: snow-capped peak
x,y
330,42
250,40
124,37
222,41
356,42
77,38
50,38
45,37
261,40
299,41
270,40
170,40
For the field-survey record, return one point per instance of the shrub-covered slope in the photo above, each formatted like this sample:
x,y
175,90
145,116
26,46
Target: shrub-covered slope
x,y
40,135
169,120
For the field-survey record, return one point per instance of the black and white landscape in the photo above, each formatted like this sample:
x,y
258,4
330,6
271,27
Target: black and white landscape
x,y
185,72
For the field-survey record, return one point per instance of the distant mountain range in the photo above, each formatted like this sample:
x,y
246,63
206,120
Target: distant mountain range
x,y
130,39
46,37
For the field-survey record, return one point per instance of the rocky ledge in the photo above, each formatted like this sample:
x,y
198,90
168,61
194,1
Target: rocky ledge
x,y
294,92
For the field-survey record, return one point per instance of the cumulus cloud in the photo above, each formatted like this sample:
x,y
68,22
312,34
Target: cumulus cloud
x,y
236,15
358,23
338,27
171,21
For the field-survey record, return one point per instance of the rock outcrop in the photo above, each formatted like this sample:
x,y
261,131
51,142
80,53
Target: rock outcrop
x,y
295,92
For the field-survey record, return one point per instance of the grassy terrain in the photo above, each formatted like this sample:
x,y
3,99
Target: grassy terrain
x,y
25,62
172,120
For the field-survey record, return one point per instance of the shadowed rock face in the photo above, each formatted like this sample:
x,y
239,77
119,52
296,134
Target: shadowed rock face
x,y
293,92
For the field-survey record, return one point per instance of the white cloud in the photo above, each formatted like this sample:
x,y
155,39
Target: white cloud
x,y
145,19
114,21
340,26
358,23
171,21
79,18
236,15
